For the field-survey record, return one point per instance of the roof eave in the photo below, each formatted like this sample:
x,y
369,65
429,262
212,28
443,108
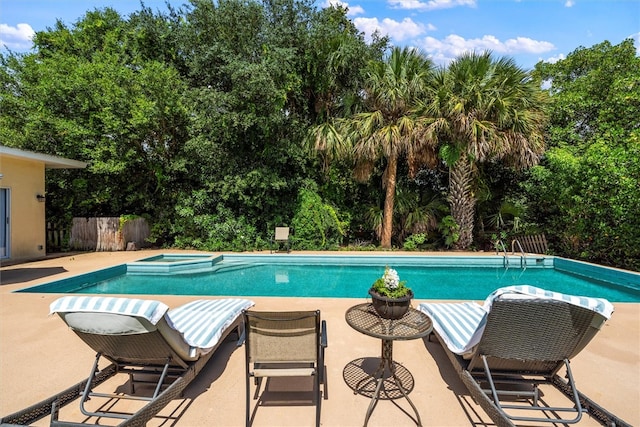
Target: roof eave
x,y
50,162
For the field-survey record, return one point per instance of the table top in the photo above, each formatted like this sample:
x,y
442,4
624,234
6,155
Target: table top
x,y
363,318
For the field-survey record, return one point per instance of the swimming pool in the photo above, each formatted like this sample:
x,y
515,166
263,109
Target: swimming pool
x,y
346,276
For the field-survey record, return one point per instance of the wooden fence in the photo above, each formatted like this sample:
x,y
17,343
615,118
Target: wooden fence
x,y
136,231
57,237
107,234
535,243
84,234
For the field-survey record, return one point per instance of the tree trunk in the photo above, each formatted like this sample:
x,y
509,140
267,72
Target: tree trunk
x,y
387,213
462,201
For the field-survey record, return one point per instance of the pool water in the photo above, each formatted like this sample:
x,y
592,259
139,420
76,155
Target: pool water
x,y
344,280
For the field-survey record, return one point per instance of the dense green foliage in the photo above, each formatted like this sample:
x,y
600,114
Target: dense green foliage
x,y
586,192
199,120
85,95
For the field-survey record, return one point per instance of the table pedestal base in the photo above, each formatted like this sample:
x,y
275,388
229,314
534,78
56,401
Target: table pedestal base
x,y
389,381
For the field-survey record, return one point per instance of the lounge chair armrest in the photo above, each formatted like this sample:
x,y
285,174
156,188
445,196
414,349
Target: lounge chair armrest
x,y
323,334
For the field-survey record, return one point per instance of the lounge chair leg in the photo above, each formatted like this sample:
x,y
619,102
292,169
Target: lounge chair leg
x,y
87,388
161,380
573,387
132,382
54,411
571,384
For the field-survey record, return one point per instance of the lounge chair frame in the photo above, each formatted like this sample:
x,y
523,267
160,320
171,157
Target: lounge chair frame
x,y
148,352
284,344
527,341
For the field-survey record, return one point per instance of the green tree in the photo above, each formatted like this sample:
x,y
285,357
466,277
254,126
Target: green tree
x,y
594,91
482,109
193,116
258,78
335,61
389,128
85,94
585,193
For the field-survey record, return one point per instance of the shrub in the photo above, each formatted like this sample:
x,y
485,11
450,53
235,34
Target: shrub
x,y
219,232
414,241
316,224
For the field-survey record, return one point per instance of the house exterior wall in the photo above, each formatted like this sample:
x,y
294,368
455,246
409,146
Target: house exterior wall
x,y
27,228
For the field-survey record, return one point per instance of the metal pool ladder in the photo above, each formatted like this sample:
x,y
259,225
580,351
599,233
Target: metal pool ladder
x,y
500,246
523,256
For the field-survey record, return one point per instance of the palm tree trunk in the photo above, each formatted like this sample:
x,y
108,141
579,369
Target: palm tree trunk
x,y
387,213
462,201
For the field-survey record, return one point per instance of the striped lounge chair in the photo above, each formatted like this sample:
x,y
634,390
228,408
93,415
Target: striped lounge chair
x,y
517,340
161,350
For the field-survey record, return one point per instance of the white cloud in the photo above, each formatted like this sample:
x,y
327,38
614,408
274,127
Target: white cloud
x,y
554,59
398,31
355,10
444,50
527,45
569,3
430,4
351,10
16,38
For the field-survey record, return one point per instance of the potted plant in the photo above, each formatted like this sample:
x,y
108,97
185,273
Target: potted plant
x,y
391,298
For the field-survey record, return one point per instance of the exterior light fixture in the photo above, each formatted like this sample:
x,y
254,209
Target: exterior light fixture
x,y
41,197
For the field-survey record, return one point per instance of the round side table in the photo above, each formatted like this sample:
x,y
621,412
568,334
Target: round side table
x,y
394,378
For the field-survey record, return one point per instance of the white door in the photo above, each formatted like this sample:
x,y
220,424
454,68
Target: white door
x,y
4,223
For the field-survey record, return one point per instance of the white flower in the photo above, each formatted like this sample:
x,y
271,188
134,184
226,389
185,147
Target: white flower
x,y
391,278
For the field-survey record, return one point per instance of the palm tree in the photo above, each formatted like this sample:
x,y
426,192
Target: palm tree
x,y
482,109
388,130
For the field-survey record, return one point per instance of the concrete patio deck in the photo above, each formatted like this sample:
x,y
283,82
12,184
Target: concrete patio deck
x,y
40,356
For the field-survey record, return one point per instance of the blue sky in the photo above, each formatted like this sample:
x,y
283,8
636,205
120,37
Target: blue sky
x,y
527,30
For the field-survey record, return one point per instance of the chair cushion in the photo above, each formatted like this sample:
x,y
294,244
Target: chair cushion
x,y
202,322
457,323
460,325
599,305
191,329
109,315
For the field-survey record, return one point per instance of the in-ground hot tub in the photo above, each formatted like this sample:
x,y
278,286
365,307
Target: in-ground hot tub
x,y
172,263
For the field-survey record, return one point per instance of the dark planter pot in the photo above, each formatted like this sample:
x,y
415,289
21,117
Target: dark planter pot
x,y
390,308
